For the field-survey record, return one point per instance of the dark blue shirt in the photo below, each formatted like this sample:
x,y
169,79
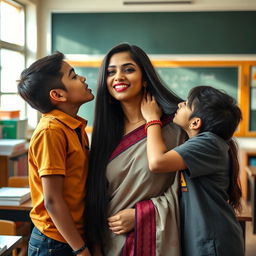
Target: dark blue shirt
x,y
208,223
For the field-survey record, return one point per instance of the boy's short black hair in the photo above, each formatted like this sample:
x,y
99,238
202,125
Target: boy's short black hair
x,y
218,111
39,79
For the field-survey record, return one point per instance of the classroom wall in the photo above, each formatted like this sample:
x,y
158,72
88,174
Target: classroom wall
x,y
46,7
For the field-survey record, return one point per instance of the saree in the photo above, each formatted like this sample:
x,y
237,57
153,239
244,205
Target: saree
x,y
141,240
131,183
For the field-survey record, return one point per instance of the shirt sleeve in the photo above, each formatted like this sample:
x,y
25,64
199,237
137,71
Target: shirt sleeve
x,y
201,155
49,152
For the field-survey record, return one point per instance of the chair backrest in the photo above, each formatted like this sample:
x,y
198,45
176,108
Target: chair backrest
x,y
18,181
8,228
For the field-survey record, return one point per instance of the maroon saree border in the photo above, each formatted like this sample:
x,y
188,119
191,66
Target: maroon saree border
x,y
142,241
133,137
129,140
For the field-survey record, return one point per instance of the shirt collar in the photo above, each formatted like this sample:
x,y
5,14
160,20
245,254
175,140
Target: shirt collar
x,y
68,120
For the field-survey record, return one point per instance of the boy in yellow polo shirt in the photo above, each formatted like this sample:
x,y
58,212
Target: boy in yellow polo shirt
x,y
58,156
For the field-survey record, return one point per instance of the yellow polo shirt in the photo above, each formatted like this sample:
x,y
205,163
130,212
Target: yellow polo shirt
x,y
55,149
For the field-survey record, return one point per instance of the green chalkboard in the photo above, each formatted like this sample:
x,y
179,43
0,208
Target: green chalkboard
x,y
156,32
253,120
180,80
87,110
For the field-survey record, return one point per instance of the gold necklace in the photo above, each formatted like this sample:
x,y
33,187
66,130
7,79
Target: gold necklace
x,y
135,122
131,126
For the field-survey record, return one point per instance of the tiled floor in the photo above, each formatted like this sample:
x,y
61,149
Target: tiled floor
x,y
250,242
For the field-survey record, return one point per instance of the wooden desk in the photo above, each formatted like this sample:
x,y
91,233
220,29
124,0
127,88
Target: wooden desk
x,y
16,213
11,241
4,160
244,216
251,172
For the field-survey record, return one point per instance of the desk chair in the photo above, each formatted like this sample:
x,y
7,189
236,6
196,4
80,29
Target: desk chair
x,y
8,228
23,228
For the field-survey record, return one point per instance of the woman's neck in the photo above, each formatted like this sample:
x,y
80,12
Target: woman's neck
x,y
132,116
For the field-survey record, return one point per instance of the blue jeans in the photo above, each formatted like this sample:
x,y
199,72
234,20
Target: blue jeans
x,y
41,245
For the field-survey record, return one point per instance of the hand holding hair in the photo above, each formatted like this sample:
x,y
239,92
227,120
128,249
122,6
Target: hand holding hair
x,y
149,108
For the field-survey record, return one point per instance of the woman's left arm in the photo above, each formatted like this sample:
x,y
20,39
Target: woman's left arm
x,y
159,158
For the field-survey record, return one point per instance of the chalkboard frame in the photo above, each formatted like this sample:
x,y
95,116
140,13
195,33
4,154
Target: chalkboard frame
x,y
243,86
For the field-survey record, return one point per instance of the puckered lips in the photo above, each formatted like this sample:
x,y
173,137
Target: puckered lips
x,y
120,87
87,87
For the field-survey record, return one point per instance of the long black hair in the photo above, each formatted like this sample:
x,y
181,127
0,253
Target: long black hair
x,y
221,116
108,129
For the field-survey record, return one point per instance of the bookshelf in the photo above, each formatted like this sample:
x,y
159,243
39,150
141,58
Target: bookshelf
x,y
8,162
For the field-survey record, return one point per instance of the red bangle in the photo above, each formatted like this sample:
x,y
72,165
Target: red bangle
x,y
153,122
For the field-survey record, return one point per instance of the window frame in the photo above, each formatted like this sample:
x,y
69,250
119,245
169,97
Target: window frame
x,y
22,49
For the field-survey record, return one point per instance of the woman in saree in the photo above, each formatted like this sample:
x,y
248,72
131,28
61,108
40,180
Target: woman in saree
x,y
129,210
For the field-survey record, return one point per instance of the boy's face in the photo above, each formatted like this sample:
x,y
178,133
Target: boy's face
x,y
183,118
182,115
77,90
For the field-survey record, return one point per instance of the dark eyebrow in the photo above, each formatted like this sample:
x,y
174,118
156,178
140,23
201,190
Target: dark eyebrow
x,y
123,65
70,71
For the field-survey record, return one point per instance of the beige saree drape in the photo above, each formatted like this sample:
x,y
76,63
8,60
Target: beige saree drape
x,y
130,181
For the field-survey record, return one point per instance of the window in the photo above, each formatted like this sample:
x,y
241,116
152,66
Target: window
x,y
12,54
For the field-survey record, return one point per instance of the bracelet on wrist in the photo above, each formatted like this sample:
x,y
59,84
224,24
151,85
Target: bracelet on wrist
x,y
80,250
152,122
